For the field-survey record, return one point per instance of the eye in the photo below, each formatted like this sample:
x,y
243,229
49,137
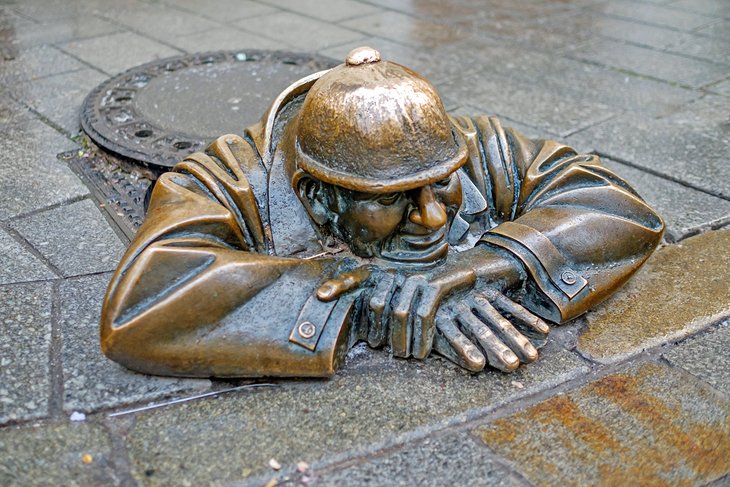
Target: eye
x,y
388,198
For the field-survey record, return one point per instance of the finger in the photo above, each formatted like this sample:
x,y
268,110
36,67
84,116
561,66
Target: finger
x,y
455,346
521,313
333,288
515,340
498,354
401,332
423,323
380,300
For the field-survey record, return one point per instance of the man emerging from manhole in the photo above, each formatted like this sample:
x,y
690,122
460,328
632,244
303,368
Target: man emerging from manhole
x,y
358,210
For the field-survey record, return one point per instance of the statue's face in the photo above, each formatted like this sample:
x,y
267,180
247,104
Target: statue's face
x,y
409,226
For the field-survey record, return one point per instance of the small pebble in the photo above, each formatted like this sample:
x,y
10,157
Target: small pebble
x,y
302,467
87,459
518,385
77,416
274,464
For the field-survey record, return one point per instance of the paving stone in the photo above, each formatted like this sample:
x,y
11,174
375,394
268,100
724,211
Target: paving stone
x,y
709,48
327,10
59,97
684,209
25,338
29,33
649,425
722,88
705,7
30,175
55,454
225,38
706,357
720,28
298,31
654,14
404,28
455,459
627,30
649,62
553,108
92,246
91,381
690,145
17,264
118,52
160,21
314,420
682,288
223,10
36,62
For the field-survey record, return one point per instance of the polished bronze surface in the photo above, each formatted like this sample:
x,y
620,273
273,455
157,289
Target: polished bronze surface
x,y
358,210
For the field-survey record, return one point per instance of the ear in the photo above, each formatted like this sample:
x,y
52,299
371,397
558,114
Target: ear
x,y
314,197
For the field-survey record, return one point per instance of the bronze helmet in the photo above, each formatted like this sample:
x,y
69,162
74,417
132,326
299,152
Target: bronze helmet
x,y
376,126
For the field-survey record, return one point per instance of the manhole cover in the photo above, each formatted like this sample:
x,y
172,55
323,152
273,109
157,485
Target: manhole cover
x,y
159,112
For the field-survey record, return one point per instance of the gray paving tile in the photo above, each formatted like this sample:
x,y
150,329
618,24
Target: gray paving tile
x,y
705,7
55,31
706,357
117,52
75,238
36,62
649,62
161,21
67,11
30,175
225,38
59,97
720,28
721,88
298,31
556,109
313,420
654,14
25,338
17,264
326,10
709,48
223,10
649,424
684,209
455,459
58,454
680,290
626,30
91,381
690,145
404,28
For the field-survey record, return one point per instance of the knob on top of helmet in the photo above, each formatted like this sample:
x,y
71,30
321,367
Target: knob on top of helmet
x,y
376,126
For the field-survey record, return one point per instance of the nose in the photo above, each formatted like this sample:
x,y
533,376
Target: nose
x,y
430,212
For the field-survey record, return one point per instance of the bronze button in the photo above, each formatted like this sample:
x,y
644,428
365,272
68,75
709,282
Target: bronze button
x,y
307,329
568,278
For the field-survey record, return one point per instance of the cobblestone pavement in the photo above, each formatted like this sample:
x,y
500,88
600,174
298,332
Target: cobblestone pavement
x,y
635,392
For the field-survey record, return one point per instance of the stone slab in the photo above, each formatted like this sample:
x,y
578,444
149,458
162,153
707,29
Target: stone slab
x,y
690,145
721,88
708,48
223,10
550,107
706,357
30,175
234,437
25,338
685,211
303,33
455,459
666,66
91,381
648,425
225,38
654,15
118,52
75,238
719,28
18,264
59,97
55,454
682,288
405,29
36,62
714,8
27,33
326,10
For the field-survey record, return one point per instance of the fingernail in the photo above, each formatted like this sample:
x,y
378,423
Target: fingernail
x,y
510,359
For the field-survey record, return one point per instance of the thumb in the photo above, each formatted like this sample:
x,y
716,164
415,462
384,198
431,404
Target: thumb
x,y
333,288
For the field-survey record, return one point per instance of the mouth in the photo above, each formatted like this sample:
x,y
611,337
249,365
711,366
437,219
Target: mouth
x,y
412,248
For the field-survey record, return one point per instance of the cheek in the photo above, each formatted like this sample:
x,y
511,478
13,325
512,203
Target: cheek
x,y
451,195
369,221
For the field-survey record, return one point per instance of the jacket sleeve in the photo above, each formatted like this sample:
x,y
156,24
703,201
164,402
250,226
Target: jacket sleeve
x,y
580,230
198,293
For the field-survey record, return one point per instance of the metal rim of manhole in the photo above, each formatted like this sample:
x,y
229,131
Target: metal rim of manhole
x,y
109,116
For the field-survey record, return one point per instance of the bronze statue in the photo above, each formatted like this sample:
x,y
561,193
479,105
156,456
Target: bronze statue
x,y
358,209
